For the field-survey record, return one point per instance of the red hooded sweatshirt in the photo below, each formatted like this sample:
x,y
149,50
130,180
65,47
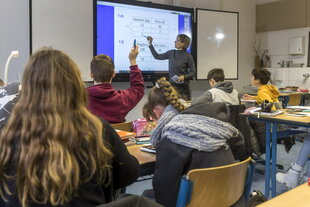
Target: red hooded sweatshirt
x,y
112,105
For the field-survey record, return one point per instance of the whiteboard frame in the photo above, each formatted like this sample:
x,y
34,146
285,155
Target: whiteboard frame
x,y
234,52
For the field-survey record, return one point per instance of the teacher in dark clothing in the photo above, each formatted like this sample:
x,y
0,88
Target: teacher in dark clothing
x,y
181,64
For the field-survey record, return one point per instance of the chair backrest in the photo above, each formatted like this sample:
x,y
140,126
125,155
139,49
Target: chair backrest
x,y
219,186
126,126
294,99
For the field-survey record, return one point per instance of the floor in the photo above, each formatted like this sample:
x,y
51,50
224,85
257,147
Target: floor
x,y
283,158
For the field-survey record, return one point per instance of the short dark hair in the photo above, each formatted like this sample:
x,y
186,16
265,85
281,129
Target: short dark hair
x,y
184,39
216,74
102,67
261,74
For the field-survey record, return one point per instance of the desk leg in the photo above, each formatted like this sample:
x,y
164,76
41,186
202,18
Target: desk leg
x,y
274,159
267,161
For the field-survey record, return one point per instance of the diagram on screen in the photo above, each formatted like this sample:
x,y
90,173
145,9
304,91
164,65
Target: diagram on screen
x,y
130,26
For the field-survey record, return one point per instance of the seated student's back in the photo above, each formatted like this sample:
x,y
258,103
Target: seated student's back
x,y
106,102
221,90
185,139
54,152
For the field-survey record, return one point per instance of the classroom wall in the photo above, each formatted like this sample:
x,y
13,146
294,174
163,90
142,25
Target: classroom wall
x,y
265,1
14,30
14,35
277,42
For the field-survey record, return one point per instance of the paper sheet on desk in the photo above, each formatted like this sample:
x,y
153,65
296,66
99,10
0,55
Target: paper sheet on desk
x,y
299,107
257,111
244,100
299,114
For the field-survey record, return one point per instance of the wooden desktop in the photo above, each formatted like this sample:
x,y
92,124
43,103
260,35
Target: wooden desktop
x,y
297,197
146,159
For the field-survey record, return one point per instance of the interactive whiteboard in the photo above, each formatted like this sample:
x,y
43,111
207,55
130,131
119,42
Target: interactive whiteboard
x,y
119,23
217,42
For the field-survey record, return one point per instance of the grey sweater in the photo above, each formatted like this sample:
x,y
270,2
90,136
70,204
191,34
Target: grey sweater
x,y
180,63
222,92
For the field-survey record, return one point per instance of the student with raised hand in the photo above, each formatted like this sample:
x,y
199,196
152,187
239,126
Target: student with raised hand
x,y
221,90
181,64
53,151
106,102
185,139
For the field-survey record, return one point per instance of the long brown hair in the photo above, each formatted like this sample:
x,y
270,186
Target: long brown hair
x,y
51,139
161,94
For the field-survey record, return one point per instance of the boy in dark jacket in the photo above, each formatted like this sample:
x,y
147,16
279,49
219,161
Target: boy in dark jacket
x,y
104,100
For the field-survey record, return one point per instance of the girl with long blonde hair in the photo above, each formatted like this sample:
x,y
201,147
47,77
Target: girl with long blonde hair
x,y
53,151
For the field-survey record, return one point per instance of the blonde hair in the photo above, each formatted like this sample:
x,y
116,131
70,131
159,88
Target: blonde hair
x,y
162,94
52,141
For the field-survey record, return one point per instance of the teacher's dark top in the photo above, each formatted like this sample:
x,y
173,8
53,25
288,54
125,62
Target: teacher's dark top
x,y
180,63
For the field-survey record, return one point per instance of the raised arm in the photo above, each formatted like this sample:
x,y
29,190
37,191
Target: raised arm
x,y
157,56
134,94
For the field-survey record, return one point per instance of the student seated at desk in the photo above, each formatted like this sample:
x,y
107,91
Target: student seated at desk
x,y
54,152
221,91
260,77
104,100
185,139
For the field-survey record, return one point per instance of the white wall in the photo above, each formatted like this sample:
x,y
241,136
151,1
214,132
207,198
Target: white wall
x,y
277,44
14,35
14,30
247,15
283,77
265,1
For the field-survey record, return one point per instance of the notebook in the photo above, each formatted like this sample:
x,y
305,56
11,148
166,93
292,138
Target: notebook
x,y
124,135
148,148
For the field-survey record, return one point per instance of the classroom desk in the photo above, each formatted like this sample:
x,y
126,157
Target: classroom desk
x,y
294,98
271,144
146,159
297,197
